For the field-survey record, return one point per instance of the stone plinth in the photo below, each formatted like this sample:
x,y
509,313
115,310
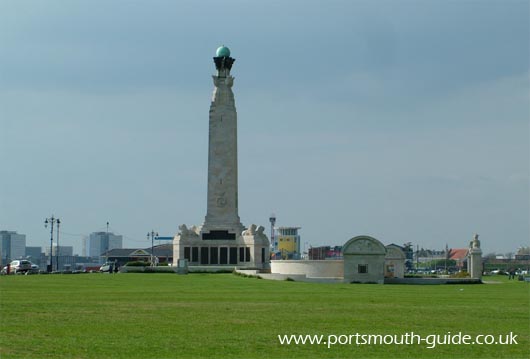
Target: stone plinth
x,y
250,249
475,258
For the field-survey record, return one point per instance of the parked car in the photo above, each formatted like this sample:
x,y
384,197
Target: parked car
x,y
106,267
34,268
17,266
499,272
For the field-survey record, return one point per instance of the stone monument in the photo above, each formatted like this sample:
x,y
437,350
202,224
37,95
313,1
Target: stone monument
x,y
222,240
475,258
364,260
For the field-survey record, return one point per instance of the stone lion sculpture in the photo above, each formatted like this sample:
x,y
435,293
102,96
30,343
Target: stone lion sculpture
x,y
250,231
257,232
185,232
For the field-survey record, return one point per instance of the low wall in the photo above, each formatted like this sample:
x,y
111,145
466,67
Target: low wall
x,y
311,269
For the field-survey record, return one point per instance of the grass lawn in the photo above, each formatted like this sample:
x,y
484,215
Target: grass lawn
x,y
227,316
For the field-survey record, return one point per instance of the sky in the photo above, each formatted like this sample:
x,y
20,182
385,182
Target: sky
x,y
404,120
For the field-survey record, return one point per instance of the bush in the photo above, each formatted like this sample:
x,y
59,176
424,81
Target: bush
x,y
137,264
462,274
146,269
244,275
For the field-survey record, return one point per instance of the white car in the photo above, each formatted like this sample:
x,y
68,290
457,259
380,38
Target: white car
x,y
107,267
34,268
18,266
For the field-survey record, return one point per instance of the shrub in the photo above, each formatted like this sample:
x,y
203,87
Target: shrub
x,y
462,274
244,275
165,269
137,264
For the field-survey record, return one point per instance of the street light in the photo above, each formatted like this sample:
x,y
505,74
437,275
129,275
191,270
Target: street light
x,y
51,221
153,234
57,250
272,219
107,244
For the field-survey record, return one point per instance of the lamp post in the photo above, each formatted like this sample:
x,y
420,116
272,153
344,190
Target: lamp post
x,y
107,245
272,219
51,221
57,250
153,234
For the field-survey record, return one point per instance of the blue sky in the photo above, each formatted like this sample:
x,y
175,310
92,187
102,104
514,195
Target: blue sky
x,y
405,120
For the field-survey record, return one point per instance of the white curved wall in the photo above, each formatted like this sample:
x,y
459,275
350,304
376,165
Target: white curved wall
x,y
312,269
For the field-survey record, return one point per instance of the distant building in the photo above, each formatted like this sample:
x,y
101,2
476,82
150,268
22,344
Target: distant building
x,y
459,255
325,252
288,242
13,246
76,262
34,254
523,254
99,242
62,251
428,256
163,253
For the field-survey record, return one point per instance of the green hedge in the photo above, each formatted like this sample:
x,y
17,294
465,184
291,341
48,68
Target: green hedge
x,y
462,274
146,269
138,264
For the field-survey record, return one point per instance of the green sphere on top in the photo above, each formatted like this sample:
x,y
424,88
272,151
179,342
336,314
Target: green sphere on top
x,y
223,51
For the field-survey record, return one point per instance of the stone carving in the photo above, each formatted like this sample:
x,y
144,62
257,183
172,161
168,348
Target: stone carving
x,y
195,230
223,82
366,245
475,261
256,232
185,232
362,245
250,231
260,230
475,243
221,200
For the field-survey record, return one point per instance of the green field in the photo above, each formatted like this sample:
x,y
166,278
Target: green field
x,y
228,316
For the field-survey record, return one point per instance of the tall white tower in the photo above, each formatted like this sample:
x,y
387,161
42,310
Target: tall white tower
x,y
222,240
222,219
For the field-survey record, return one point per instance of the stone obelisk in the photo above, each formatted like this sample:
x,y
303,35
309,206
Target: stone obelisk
x,y
222,240
222,219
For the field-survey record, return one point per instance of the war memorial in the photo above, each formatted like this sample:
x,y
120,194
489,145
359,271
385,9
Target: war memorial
x,y
222,242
